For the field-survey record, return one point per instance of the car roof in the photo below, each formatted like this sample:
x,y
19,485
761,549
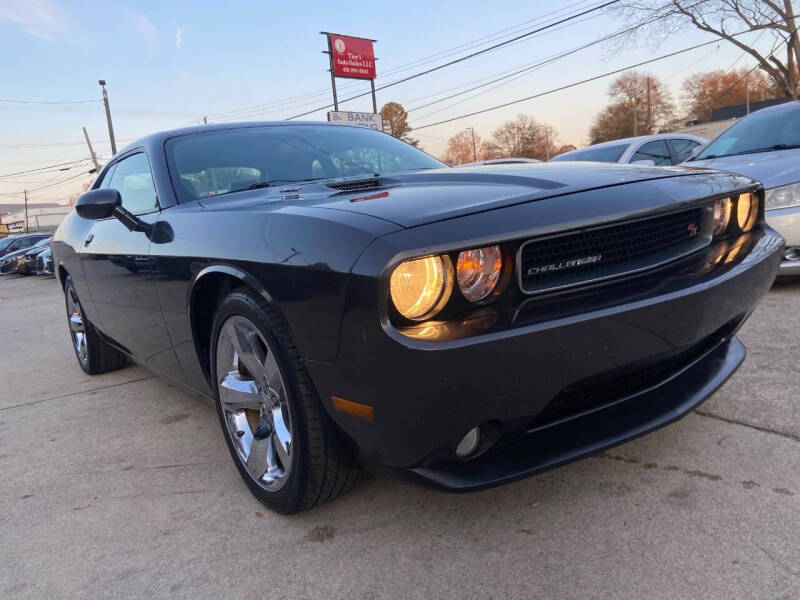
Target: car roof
x,y
643,138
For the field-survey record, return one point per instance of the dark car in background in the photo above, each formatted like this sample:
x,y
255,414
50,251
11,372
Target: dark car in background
x,y
14,243
345,300
19,262
26,262
765,145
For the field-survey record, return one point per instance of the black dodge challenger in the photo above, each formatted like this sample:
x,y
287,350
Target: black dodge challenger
x,y
347,301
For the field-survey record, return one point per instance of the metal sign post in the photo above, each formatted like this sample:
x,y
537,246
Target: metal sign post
x,y
329,52
352,58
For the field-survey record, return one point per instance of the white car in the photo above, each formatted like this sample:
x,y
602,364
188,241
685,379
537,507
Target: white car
x,y
663,149
765,145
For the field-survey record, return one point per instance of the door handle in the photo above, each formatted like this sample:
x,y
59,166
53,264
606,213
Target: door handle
x,y
89,239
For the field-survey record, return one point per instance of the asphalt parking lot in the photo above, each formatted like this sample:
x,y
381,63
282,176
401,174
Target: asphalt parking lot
x,y
121,486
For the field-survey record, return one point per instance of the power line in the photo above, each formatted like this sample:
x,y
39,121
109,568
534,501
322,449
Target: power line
x,y
10,101
468,56
427,59
68,165
565,87
50,185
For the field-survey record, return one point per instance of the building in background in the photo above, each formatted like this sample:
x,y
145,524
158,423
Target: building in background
x,y
41,217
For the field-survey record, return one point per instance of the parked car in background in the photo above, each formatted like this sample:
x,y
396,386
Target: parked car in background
x,y
13,243
765,145
659,150
8,263
26,262
345,300
44,262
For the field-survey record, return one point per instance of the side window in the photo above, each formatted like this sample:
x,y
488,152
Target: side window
x,y
106,181
656,151
683,148
25,243
133,180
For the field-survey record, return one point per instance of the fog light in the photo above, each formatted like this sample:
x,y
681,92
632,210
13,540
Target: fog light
x,y
468,443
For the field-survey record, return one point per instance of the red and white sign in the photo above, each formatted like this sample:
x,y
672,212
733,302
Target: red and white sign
x,y
352,57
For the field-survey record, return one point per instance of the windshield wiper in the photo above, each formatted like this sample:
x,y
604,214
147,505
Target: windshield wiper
x,y
271,182
753,151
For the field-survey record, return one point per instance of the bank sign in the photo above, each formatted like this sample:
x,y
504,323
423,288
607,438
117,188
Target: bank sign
x,y
360,119
352,57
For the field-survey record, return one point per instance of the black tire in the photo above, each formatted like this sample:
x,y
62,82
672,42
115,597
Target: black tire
x,y
317,474
99,356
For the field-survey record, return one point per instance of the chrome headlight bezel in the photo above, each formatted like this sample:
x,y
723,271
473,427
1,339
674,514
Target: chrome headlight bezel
x,y
785,196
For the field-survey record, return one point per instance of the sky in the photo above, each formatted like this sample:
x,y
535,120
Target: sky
x,y
168,64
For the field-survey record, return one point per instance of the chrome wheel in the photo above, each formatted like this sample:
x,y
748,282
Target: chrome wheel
x,y
253,402
77,328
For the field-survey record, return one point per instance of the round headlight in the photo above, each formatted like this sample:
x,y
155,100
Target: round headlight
x,y
747,211
722,215
478,272
421,286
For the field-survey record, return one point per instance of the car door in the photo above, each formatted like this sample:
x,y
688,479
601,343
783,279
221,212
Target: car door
x,y
119,271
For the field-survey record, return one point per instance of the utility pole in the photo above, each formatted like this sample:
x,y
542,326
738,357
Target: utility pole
x,y
747,93
102,83
546,144
635,117
91,150
649,109
474,152
26,211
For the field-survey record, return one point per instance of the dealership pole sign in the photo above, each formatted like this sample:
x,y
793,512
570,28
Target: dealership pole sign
x,y
351,58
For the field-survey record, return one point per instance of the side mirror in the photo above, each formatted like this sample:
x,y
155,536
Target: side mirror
x,y
646,161
98,204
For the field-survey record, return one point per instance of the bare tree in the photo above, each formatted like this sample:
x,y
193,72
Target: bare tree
x,y
640,105
726,19
524,137
396,117
460,148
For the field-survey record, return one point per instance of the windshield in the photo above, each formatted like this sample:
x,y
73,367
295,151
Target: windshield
x,y
603,154
41,243
221,162
758,132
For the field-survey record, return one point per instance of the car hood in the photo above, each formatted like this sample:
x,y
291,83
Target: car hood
x,y
421,197
773,169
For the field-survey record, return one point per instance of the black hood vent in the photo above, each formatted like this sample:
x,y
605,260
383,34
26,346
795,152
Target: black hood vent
x,y
357,186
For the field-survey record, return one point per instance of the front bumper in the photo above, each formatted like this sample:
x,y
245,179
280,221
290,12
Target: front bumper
x,y
786,221
427,395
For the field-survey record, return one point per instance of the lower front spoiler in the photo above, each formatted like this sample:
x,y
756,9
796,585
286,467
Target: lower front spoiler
x,y
565,442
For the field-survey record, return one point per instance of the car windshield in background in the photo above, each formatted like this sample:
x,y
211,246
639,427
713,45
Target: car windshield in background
x,y
604,154
221,162
759,132
6,242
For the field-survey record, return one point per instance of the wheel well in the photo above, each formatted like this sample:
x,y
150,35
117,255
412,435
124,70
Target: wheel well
x,y
62,275
206,297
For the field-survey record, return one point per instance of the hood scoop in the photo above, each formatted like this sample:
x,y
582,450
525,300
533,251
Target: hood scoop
x,y
357,185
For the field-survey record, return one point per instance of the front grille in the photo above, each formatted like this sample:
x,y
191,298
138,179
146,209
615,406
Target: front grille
x,y
604,389
594,254
355,186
